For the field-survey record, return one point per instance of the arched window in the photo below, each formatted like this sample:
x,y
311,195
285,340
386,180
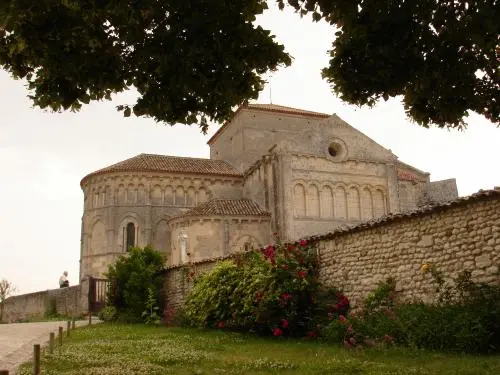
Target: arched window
x,y
130,236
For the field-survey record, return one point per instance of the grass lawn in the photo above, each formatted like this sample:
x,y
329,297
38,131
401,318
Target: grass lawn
x,y
136,349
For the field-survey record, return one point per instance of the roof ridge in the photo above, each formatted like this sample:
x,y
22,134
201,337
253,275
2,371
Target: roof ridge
x,y
279,107
169,164
181,157
211,208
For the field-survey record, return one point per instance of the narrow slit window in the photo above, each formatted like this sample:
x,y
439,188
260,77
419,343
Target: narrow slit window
x,y
130,236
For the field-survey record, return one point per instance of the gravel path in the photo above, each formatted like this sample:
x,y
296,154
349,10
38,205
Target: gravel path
x,y
17,340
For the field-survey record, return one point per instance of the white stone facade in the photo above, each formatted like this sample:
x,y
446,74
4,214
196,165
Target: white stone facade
x,y
304,173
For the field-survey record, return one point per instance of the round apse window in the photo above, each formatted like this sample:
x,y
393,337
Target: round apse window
x,y
334,149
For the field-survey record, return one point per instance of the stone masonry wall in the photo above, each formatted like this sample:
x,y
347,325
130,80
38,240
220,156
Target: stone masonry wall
x,y
68,301
177,283
463,235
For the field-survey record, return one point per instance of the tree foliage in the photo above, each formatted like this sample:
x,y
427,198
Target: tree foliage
x,y
6,290
194,60
441,56
190,60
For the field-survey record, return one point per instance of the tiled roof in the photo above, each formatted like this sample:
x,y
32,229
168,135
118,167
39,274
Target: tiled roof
x,y
270,108
227,207
174,164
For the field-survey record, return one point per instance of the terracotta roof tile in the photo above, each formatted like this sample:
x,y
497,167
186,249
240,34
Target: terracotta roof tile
x,y
173,164
226,207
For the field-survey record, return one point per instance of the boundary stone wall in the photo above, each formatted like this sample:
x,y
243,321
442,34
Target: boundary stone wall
x,y
460,236
463,234
68,301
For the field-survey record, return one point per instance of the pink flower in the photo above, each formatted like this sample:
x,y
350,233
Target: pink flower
x,y
349,329
342,319
347,345
284,323
302,274
342,303
312,334
388,339
286,296
277,332
220,325
352,341
303,243
269,253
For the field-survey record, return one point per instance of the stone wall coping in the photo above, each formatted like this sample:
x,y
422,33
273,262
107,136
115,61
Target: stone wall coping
x,y
198,262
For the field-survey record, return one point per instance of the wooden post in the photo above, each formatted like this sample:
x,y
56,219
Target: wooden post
x,y
36,359
60,335
51,343
68,328
73,323
4,372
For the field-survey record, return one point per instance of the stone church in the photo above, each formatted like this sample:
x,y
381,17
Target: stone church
x,y
271,169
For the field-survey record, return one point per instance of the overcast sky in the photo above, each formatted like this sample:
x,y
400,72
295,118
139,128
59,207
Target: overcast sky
x,y
44,155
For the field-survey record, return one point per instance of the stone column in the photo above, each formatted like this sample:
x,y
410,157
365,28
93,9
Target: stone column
x,y
284,180
392,189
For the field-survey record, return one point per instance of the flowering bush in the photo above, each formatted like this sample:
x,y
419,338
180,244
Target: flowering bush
x,y
465,317
274,291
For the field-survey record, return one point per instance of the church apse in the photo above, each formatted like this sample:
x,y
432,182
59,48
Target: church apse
x,y
272,169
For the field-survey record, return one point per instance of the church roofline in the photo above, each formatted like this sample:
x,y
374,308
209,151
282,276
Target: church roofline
x,y
267,108
169,164
402,164
224,207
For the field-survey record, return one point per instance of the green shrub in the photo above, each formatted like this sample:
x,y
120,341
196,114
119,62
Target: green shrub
x,y
51,308
465,317
210,299
130,279
150,314
108,314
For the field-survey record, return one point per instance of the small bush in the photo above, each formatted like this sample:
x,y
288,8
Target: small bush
x,y
150,314
51,308
465,317
131,277
108,314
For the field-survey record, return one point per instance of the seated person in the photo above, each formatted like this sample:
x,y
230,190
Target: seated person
x,y
63,280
